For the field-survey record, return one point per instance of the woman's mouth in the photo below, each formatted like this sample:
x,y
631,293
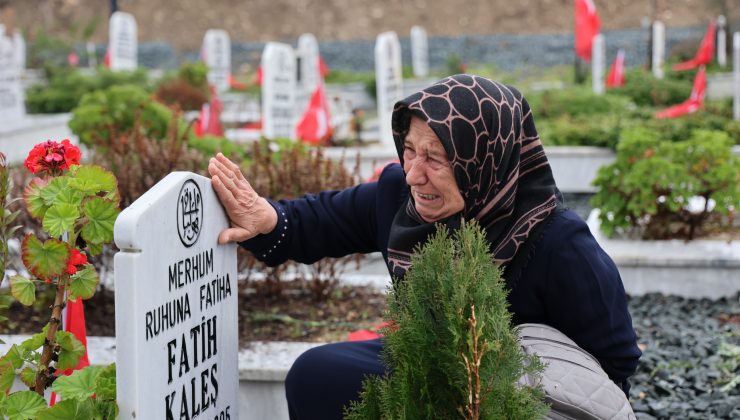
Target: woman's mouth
x,y
426,197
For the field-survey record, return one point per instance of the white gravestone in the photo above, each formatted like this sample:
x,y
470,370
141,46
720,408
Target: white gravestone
x,y
598,63
217,56
123,42
176,305
12,64
721,41
658,49
389,82
736,71
419,51
308,70
278,91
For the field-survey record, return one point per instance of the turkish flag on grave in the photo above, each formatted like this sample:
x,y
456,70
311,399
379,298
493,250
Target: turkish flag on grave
x,y
106,59
74,322
209,120
324,69
371,334
315,125
235,84
695,101
615,78
587,26
258,77
704,55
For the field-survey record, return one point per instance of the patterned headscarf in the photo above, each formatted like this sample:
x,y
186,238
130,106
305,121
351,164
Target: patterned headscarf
x,y
488,132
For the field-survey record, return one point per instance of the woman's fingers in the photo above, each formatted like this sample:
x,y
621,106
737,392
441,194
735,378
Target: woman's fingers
x,y
236,234
229,166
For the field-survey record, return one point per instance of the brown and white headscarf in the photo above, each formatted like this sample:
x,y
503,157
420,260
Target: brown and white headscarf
x,y
488,132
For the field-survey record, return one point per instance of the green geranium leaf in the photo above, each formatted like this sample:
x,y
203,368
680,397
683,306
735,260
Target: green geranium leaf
x,y
69,409
14,356
105,385
60,218
23,289
79,385
23,405
32,196
84,282
101,215
45,260
70,196
71,350
36,341
28,377
94,249
53,188
7,375
92,179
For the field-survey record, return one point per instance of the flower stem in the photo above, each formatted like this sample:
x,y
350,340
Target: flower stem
x,y
42,376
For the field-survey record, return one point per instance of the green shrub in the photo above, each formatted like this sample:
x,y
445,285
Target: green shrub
x,y
210,145
645,90
451,349
598,130
678,129
194,74
648,188
115,108
574,102
188,90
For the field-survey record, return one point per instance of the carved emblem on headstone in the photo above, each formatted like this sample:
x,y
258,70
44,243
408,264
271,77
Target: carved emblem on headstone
x,y
189,213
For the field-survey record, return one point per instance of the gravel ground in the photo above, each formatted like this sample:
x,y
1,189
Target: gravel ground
x,y
682,371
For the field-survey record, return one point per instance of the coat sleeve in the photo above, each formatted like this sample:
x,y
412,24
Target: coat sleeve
x,y
327,224
585,299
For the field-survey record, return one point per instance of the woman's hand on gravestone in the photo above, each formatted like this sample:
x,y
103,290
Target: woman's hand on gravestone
x,y
249,214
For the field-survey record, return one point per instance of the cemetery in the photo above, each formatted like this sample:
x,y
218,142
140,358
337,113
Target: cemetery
x,y
120,299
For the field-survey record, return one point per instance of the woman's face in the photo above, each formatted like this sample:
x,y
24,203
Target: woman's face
x,y
429,174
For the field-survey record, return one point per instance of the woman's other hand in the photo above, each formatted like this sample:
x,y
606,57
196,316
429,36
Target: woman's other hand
x,y
249,214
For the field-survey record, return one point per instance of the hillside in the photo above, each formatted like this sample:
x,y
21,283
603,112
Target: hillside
x,y
182,23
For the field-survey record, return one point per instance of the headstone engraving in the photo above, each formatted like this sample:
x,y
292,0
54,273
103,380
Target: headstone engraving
x,y
123,42
278,91
658,49
736,72
176,305
721,41
389,82
309,73
12,64
598,64
419,51
216,54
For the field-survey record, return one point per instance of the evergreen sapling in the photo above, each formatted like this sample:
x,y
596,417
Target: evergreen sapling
x,y
451,348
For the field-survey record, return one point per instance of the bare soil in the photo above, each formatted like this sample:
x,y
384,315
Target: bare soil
x,y
293,315
182,23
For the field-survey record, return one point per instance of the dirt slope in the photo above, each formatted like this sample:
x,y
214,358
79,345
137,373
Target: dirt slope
x,y
183,22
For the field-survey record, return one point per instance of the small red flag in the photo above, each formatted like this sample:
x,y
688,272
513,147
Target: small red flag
x,y
74,322
106,59
615,78
324,69
209,121
315,125
695,101
704,54
587,26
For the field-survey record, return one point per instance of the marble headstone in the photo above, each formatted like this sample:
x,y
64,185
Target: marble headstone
x,y
598,64
12,64
389,82
278,91
722,41
658,48
309,72
736,75
176,305
123,42
216,53
419,51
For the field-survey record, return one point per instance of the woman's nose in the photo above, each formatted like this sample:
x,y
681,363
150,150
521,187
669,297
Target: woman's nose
x,y
416,175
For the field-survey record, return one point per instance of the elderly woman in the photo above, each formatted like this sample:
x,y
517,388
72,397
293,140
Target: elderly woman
x,y
469,150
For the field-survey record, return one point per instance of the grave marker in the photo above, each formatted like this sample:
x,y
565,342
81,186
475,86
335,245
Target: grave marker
x,y
598,64
123,42
278,91
12,64
419,51
721,41
658,48
389,82
216,53
309,72
176,305
736,71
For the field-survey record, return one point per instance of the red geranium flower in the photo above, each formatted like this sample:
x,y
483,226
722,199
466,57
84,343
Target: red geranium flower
x,y
76,259
52,158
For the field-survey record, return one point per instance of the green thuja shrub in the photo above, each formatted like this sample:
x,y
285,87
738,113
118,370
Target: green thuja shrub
x,y
597,130
451,350
646,90
648,188
575,102
114,109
